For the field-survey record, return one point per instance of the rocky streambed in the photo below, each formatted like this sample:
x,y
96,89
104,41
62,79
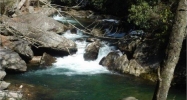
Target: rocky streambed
x,y
37,38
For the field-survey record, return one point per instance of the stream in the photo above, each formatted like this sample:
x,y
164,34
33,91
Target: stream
x,y
73,78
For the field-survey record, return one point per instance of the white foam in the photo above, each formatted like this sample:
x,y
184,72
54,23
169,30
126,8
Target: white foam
x,y
63,19
71,36
76,65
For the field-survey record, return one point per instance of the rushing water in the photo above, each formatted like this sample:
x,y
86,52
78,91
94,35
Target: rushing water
x,y
73,78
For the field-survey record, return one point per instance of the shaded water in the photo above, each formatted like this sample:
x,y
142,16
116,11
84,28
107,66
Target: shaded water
x,y
73,78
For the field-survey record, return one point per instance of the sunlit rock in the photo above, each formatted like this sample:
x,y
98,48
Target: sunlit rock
x,y
2,74
18,45
129,98
11,60
108,61
92,50
121,63
40,29
4,85
134,68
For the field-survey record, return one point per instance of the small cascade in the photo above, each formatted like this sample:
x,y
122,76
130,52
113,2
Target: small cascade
x,y
75,64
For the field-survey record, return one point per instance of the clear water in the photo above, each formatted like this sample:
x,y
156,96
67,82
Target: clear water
x,y
73,78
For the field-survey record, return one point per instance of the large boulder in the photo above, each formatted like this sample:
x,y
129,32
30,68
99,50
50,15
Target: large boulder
x,y
92,50
2,74
147,53
36,21
121,63
135,68
4,85
128,47
20,46
108,61
10,95
41,31
11,60
46,11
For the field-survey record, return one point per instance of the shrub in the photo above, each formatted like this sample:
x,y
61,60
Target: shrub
x,y
151,16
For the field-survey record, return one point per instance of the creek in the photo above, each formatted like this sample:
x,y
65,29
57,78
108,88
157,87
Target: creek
x,y
73,78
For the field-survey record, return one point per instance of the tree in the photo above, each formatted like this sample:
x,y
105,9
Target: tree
x,y
165,74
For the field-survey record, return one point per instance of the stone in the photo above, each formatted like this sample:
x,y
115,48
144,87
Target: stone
x,y
42,30
121,63
47,60
2,74
18,45
134,68
92,50
129,98
4,85
108,61
35,60
46,11
10,95
97,32
31,9
148,54
11,60
128,47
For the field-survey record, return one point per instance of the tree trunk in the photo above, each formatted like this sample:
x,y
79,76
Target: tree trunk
x,y
167,68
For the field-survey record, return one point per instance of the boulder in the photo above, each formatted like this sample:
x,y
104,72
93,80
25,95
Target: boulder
x,y
108,61
148,54
10,95
4,85
41,31
37,21
20,46
47,60
35,60
2,74
80,13
46,11
11,60
134,68
121,63
92,50
128,47
97,32
129,98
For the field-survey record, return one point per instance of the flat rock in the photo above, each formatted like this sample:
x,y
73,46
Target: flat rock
x,y
41,30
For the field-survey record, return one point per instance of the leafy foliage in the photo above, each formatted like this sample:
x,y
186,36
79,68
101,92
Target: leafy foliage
x,y
151,16
99,4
